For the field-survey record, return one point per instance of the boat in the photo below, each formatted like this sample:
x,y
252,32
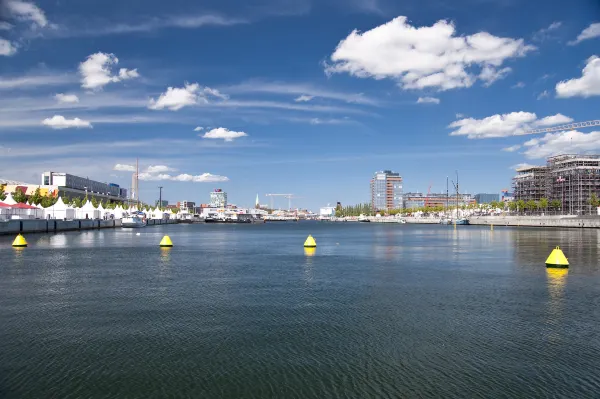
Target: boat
x,y
445,221
462,221
133,221
363,218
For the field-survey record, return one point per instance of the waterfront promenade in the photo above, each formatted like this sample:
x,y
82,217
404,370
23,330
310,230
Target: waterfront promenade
x,y
12,227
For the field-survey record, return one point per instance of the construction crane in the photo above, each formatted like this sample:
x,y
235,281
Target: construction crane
x,y
428,194
568,126
288,196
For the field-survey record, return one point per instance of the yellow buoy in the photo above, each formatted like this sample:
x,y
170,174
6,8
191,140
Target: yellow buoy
x,y
310,251
310,242
166,242
557,259
19,242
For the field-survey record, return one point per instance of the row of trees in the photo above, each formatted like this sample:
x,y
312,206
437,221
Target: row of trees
x,y
354,210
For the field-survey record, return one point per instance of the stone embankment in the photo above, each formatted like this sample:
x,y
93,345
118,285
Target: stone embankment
x,y
52,226
538,221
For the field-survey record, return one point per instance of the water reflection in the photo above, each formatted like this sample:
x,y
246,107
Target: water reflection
x,y
557,279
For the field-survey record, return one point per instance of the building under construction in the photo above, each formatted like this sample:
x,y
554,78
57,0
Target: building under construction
x,y
570,179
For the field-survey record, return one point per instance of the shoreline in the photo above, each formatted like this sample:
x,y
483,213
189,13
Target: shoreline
x,y
12,227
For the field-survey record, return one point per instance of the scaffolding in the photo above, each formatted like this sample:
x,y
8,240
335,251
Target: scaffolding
x,y
570,179
573,179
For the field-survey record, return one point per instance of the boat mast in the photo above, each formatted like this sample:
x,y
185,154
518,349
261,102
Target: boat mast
x,y
137,183
457,194
447,193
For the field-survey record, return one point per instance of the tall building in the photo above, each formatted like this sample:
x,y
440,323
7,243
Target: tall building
x,y
486,198
218,198
386,191
186,205
570,179
433,200
134,187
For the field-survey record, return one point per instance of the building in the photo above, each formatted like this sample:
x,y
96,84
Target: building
x,y
134,187
432,200
486,198
161,204
218,198
186,206
327,212
75,186
571,179
386,191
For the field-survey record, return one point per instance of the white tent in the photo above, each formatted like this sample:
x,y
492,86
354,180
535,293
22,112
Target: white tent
x,y
9,200
88,211
60,211
118,212
157,214
104,213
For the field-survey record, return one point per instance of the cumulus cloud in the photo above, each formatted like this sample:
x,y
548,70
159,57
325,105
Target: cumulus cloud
x,y
60,122
176,98
159,169
25,11
198,129
512,148
425,57
304,98
66,98
203,178
562,143
124,168
590,32
428,100
6,48
514,123
96,71
586,86
223,133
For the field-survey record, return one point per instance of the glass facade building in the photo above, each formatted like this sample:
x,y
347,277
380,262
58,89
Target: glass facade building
x,y
386,191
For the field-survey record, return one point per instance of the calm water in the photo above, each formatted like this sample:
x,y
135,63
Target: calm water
x,y
242,312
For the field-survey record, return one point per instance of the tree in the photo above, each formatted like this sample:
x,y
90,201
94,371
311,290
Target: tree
x,y
531,205
520,205
512,205
19,196
594,201
543,204
2,193
48,200
36,198
555,204
174,210
95,202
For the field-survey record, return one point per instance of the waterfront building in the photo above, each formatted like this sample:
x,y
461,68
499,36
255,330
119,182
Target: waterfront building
x,y
218,198
186,206
327,212
386,191
571,179
486,198
433,200
65,184
161,204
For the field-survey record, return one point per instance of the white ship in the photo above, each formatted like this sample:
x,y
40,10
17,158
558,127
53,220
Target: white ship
x,y
133,221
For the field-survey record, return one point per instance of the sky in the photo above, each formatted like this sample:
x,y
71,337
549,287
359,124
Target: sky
x,y
300,97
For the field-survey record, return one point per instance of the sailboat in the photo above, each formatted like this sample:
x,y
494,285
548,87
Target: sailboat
x,y
136,219
459,221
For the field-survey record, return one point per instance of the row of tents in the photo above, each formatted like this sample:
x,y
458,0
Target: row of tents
x,y
11,209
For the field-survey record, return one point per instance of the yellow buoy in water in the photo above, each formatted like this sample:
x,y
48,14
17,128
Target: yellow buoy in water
x,y
19,242
557,259
310,251
166,242
310,242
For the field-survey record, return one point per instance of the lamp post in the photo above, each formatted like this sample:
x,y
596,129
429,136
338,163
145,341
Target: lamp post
x,y
160,196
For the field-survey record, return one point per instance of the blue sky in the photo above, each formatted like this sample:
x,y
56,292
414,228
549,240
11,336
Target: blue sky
x,y
303,97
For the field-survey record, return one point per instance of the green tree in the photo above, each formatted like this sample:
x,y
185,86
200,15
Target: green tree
x,y
77,202
174,210
19,196
95,202
36,198
520,205
594,201
2,193
543,204
555,204
531,205
512,205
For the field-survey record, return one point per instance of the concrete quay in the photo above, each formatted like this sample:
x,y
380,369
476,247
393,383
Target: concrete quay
x,y
538,221
12,227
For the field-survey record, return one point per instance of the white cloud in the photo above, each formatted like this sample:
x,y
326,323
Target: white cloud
x,y
558,119
25,11
304,98
5,26
203,178
96,71
512,148
586,86
522,166
460,116
490,74
60,122
26,81
566,142
6,48
124,168
176,98
543,94
223,133
424,57
546,33
428,100
514,123
66,98
518,85
159,169
198,129
590,32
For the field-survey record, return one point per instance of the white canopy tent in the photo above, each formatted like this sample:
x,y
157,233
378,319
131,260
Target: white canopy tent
x,y
88,211
60,210
9,199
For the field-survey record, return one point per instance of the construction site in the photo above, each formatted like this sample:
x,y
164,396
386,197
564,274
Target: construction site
x,y
571,179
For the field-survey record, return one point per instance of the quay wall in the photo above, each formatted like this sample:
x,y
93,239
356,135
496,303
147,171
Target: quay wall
x,y
537,221
51,225
422,220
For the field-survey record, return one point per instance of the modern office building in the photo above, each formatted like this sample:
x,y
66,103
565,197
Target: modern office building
x,y
75,186
486,198
161,204
420,200
218,198
570,179
186,206
386,191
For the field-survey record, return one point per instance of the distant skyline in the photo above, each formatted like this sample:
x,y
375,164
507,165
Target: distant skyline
x,y
294,96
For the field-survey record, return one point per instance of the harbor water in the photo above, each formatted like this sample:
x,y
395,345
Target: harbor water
x,y
244,311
